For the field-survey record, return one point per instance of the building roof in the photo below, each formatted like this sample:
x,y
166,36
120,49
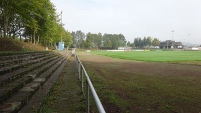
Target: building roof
x,y
170,43
178,44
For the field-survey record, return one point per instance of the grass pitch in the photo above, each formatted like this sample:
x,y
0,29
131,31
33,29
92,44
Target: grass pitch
x,y
189,57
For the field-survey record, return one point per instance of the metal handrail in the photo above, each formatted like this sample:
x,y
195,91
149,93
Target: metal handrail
x,y
81,72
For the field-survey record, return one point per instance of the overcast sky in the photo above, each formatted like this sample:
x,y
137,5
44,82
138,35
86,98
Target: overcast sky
x,y
162,19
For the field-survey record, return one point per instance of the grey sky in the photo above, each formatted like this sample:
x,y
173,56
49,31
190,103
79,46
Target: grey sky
x,y
134,18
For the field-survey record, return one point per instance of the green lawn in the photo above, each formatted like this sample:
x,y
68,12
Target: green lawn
x,y
155,56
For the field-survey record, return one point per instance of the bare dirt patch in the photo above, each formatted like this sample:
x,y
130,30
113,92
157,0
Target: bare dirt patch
x,y
136,86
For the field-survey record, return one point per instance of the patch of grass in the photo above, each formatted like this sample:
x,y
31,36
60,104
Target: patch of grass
x,y
155,56
66,96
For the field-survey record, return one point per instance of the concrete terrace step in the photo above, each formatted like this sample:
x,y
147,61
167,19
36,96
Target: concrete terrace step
x,y
18,57
26,61
20,53
17,101
35,103
9,77
11,88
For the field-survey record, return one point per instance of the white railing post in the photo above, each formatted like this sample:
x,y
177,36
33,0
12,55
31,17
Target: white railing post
x,y
87,97
79,65
76,60
82,82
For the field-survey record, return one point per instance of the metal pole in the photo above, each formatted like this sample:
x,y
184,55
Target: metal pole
x,y
82,80
75,57
95,96
61,18
61,25
79,70
189,37
87,97
77,61
172,35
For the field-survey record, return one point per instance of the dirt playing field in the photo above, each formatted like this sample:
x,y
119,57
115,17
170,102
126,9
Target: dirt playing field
x,y
137,86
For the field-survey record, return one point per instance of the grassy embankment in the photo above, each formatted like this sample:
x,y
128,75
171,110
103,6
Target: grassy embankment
x,y
125,89
9,45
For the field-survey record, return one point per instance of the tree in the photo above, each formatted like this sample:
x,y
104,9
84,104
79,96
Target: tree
x,y
155,42
7,12
132,45
149,40
106,41
128,44
73,43
122,40
142,43
113,41
79,37
35,20
89,39
67,39
93,40
137,42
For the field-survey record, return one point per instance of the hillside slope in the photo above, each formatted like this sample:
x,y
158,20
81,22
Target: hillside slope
x,y
7,44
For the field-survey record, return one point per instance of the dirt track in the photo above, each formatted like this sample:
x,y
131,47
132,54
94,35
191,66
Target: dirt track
x,y
145,68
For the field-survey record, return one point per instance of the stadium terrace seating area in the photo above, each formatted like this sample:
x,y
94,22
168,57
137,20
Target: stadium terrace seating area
x,y
26,79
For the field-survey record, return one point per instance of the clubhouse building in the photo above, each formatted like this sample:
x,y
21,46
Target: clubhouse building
x,y
169,44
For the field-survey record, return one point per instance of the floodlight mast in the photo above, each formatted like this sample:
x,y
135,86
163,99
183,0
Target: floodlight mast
x,y
189,35
61,25
172,35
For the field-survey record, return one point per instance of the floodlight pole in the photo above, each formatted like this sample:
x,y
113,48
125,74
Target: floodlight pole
x,y
189,37
172,35
61,25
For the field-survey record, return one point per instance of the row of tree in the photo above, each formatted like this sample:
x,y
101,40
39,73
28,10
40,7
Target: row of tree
x,y
106,41
34,20
109,41
145,42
